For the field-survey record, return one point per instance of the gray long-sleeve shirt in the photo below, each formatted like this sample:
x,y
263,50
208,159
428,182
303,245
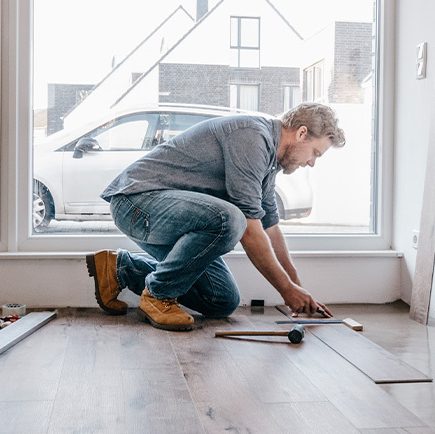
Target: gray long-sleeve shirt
x,y
232,158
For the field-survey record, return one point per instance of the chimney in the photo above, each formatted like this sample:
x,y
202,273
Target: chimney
x,y
201,8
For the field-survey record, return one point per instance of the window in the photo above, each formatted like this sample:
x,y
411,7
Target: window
x,y
292,96
245,42
341,199
313,83
244,96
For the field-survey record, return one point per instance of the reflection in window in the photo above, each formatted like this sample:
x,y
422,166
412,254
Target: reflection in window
x,y
244,96
313,83
292,97
245,42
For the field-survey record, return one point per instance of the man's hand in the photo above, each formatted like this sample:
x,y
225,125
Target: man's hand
x,y
270,256
299,300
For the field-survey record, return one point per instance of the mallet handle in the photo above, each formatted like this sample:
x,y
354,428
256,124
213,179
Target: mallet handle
x,y
250,333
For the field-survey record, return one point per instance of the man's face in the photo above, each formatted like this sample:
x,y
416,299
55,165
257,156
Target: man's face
x,y
297,149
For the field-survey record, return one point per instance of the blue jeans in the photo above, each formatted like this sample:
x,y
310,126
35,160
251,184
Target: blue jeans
x,y
184,234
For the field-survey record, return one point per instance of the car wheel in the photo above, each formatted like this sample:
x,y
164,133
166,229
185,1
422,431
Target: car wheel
x,y
43,206
280,206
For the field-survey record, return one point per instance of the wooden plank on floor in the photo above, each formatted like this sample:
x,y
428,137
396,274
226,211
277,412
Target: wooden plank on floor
x,y
377,363
25,326
311,418
25,416
115,380
222,393
359,399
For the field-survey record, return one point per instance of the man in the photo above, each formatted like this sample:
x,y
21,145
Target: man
x,y
190,200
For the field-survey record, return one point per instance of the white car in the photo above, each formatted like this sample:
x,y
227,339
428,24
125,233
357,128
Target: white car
x,y
72,168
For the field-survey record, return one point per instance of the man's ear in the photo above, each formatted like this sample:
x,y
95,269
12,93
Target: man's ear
x,y
301,133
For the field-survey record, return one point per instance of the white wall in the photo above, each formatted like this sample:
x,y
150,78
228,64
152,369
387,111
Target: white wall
x,y
59,280
413,103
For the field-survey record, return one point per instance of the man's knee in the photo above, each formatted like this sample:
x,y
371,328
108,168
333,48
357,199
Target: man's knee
x,y
233,225
225,307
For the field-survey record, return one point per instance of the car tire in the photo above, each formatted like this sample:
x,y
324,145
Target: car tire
x,y
280,206
42,206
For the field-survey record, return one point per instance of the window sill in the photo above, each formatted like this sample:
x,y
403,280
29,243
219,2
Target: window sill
x,y
233,254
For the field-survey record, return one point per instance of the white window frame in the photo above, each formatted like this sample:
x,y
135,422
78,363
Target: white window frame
x,y
237,88
291,90
239,47
16,152
311,86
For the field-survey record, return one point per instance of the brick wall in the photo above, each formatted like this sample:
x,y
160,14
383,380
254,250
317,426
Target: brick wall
x,y
352,61
61,99
209,84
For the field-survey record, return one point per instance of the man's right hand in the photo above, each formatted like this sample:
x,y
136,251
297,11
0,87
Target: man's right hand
x,y
258,247
299,300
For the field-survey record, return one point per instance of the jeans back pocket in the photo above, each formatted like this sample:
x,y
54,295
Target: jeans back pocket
x,y
131,220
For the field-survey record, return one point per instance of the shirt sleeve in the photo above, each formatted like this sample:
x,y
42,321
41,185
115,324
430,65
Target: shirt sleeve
x,y
246,163
269,205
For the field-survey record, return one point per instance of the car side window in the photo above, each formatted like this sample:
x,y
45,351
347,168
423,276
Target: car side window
x,y
123,134
172,124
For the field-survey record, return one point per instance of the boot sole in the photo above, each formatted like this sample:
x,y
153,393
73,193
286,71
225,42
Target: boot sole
x,y
90,263
143,316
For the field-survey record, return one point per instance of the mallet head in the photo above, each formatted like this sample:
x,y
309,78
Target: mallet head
x,y
296,334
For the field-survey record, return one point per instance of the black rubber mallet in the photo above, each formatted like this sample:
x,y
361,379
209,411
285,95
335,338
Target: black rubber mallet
x,y
295,335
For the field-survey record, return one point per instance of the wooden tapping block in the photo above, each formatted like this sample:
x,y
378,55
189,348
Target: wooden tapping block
x,y
354,325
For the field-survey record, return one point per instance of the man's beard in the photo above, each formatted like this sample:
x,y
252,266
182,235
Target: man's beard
x,y
288,163
290,169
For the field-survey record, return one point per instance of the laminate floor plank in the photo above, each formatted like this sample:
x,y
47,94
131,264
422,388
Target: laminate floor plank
x,y
121,376
89,403
143,346
311,418
271,376
222,394
157,400
371,359
31,369
21,416
360,400
90,394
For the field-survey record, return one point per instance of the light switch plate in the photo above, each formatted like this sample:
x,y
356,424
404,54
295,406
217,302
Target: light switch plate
x,y
421,60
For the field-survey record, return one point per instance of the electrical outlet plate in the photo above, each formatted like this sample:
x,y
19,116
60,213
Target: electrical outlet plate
x,y
415,235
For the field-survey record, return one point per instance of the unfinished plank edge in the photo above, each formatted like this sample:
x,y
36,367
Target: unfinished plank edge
x,y
22,328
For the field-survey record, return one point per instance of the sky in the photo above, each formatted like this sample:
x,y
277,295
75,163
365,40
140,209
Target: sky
x,y
76,40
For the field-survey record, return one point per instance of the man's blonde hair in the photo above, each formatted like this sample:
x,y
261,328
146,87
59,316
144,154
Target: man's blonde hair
x,y
319,119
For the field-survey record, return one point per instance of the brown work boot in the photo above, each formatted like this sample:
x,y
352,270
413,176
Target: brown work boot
x,y
163,314
102,267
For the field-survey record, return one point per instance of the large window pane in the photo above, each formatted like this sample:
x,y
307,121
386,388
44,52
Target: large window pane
x,y
91,119
250,32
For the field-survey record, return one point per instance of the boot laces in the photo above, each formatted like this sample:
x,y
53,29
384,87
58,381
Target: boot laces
x,y
169,302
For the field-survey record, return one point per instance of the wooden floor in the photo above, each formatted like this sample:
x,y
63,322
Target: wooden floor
x,y
87,372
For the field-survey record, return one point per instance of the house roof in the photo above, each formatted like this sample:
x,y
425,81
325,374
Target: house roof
x,y
198,23
114,69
